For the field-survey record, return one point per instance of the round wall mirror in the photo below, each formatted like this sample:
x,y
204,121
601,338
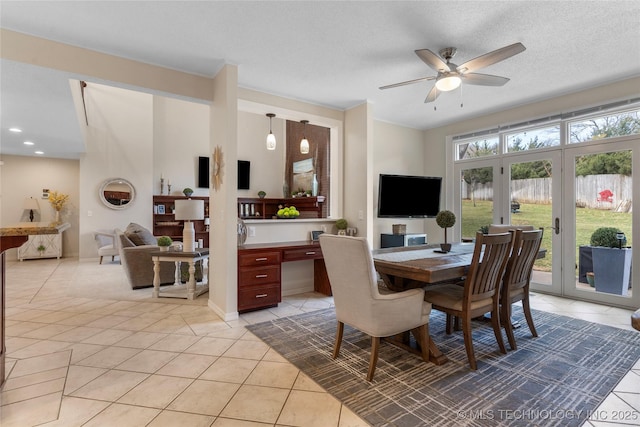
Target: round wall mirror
x,y
117,193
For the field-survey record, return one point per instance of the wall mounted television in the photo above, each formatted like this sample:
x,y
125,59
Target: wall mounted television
x,y
406,196
244,174
203,172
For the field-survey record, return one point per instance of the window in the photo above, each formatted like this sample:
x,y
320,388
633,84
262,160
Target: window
x,y
607,126
532,139
477,148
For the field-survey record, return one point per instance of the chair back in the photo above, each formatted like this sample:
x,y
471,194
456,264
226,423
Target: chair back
x,y
526,245
488,265
353,278
504,228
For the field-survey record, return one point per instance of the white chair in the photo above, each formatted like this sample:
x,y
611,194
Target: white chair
x,y
360,304
107,244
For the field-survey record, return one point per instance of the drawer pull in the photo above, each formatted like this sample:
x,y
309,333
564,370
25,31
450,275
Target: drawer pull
x,y
262,295
261,276
310,253
262,259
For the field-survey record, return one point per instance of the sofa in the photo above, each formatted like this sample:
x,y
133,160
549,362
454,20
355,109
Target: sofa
x,y
136,245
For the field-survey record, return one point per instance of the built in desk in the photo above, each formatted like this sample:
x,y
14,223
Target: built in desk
x,y
259,271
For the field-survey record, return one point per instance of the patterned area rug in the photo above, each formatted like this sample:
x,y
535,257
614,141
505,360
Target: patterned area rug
x,y
553,380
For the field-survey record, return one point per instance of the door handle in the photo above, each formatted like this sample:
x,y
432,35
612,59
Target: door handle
x,y
557,226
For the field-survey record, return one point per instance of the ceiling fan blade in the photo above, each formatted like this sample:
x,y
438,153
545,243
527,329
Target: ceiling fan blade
x,y
432,60
484,79
433,94
491,58
422,79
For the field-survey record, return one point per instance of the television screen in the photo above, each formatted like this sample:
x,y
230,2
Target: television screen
x,y
244,174
404,196
203,172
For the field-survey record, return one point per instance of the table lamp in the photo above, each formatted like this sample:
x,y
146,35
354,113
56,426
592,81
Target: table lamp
x,y
31,205
189,210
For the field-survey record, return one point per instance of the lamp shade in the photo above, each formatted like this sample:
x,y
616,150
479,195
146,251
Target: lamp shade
x,y
448,82
189,209
271,141
30,204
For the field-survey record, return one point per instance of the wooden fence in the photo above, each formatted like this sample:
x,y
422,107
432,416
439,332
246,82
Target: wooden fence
x,y
588,189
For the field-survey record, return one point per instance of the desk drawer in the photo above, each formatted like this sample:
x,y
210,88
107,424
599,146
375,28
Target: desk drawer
x,y
258,258
258,275
301,254
258,296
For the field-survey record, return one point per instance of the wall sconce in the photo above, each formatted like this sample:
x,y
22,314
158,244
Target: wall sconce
x,y
188,210
271,138
304,144
30,204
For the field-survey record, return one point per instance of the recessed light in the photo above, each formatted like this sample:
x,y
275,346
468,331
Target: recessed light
x,y
28,143
39,152
17,130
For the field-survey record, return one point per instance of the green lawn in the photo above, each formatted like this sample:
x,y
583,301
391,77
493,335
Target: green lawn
x,y
587,220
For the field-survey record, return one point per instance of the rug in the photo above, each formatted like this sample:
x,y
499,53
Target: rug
x,y
557,379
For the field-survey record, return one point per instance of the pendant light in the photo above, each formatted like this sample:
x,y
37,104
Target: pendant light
x,y
271,138
304,144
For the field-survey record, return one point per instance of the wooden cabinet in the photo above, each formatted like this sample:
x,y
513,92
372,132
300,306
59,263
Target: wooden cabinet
x,y
44,245
256,208
165,224
258,279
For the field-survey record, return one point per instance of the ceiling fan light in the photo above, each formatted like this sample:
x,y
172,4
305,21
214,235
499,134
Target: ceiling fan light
x,y
448,83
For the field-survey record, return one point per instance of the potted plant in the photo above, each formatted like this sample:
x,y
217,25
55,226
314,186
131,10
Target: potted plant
x,y
611,261
261,194
187,192
445,219
41,249
164,242
342,225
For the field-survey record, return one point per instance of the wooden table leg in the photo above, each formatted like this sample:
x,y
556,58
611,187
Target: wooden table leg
x,y
403,341
156,278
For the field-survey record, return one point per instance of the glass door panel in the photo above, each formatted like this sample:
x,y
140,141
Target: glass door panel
x,y
600,202
476,198
531,193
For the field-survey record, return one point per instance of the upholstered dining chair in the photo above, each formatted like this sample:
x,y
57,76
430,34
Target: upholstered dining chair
x,y
515,285
107,243
480,292
360,304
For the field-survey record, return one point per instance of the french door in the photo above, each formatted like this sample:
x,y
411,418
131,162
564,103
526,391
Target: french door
x,y
592,201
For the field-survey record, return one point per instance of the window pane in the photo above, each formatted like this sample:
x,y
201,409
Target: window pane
x,y
477,200
477,148
532,139
595,128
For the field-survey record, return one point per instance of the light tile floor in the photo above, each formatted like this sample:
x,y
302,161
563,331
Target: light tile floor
x,y
86,350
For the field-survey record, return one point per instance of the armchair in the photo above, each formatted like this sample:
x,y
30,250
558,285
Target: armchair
x,y
360,304
107,242
138,266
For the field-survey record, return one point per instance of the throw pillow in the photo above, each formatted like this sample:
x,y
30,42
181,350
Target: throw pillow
x,y
140,235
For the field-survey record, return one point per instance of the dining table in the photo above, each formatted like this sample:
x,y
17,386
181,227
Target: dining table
x,y
403,268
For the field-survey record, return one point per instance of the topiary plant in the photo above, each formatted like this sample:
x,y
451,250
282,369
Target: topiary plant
x,y
342,224
606,237
187,191
164,241
445,219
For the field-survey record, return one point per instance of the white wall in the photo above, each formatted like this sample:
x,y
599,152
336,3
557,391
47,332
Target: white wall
x,y
267,167
23,177
401,151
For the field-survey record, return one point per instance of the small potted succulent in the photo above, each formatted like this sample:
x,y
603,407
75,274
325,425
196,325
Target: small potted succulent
x,y
342,225
164,242
261,194
445,219
187,192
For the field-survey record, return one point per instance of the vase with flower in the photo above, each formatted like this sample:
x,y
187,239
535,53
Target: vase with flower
x,y
58,201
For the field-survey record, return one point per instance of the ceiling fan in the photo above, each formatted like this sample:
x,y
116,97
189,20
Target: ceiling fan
x,y
450,75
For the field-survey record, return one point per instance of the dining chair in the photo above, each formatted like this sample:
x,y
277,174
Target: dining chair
x,y
517,277
480,293
503,228
359,302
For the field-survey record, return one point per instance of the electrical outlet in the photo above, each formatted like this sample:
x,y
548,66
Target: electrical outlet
x,y
252,232
360,214
89,213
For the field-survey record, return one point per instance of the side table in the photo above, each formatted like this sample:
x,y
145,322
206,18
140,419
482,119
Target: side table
x,y
192,289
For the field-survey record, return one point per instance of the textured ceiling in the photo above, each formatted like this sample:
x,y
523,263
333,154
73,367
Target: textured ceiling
x,y
334,54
